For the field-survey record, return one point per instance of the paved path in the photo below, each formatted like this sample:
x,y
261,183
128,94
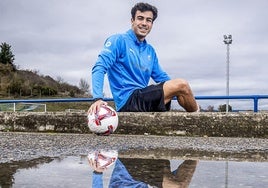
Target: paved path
x,y
26,146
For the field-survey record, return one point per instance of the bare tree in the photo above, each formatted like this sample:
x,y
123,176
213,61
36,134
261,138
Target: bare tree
x,y
210,108
222,108
59,80
84,86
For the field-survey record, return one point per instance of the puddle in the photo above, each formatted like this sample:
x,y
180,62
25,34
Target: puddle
x,y
75,171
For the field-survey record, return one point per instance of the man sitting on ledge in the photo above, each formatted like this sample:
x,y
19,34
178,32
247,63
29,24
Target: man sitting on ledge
x,y
130,62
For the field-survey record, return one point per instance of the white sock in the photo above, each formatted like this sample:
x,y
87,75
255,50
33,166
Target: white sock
x,y
198,108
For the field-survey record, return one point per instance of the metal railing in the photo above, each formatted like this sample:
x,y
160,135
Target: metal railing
x,y
22,106
255,99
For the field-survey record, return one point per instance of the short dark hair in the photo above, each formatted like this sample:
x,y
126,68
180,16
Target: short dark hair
x,y
144,7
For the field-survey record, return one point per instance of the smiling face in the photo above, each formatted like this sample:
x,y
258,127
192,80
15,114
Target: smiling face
x,y
142,24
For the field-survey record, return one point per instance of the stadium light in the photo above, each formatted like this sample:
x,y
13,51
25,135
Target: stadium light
x,y
227,40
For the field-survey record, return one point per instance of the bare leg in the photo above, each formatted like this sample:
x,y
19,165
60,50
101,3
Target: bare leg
x,y
183,175
181,89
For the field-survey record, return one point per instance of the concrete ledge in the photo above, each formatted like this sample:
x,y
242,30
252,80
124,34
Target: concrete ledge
x,y
154,123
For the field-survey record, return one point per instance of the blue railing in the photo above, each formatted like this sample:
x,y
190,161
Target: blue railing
x,y
255,99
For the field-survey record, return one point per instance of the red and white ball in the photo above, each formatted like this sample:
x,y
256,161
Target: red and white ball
x,y
104,158
103,122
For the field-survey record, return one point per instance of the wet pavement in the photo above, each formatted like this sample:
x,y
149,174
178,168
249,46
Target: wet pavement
x,y
74,171
27,146
60,160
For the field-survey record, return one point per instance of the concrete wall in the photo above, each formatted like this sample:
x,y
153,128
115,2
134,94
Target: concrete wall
x,y
155,123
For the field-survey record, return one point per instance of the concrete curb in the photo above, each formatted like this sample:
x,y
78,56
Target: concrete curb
x,y
197,124
137,123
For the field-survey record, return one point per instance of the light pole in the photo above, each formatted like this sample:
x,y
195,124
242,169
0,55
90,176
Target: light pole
x,y
227,40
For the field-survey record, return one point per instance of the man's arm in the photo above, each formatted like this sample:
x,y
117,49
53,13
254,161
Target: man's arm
x,y
97,180
105,60
98,72
97,175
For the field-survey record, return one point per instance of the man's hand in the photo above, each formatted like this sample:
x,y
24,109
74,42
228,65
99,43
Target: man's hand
x,y
95,107
96,166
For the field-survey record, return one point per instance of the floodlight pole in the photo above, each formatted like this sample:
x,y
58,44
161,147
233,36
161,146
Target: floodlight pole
x,y
227,40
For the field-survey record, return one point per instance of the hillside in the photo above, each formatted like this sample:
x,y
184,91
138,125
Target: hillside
x,y
27,83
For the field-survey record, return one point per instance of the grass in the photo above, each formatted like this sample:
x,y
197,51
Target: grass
x,y
50,107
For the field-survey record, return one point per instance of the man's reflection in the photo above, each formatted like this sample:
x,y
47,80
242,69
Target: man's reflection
x,y
134,172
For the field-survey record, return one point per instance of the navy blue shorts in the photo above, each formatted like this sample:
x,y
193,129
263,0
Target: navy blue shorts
x,y
148,99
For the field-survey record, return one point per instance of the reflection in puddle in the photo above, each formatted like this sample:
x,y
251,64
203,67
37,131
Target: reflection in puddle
x,y
66,172
76,172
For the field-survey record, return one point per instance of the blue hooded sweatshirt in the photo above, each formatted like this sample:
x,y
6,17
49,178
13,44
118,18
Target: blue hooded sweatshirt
x,y
129,65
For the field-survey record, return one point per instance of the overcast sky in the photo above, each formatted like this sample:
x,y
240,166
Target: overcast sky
x,y
62,38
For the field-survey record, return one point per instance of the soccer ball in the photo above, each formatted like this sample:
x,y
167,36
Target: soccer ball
x,y
103,122
104,158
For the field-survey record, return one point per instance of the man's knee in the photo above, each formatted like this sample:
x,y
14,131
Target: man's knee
x,y
176,87
181,85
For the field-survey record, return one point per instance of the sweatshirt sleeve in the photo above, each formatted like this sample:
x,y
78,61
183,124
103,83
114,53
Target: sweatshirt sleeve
x,y
98,73
105,60
97,180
